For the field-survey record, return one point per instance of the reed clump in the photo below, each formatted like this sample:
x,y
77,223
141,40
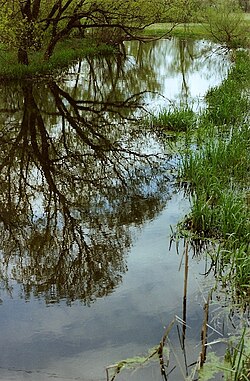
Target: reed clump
x,y
216,173
228,104
174,119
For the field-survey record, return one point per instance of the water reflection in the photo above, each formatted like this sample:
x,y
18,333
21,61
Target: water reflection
x,y
77,167
71,183
184,69
79,174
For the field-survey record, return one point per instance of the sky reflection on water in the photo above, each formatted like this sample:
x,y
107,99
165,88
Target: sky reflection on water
x,y
87,278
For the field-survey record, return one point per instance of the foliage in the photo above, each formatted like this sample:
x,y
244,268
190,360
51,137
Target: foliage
x,y
39,24
225,22
182,11
199,28
7,34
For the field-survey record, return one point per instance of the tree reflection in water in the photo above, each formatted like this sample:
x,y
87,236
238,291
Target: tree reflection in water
x,y
73,180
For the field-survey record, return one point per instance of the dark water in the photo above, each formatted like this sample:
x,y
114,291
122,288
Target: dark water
x,y
87,204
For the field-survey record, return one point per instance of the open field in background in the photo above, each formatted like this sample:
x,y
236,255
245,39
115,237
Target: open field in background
x,y
192,30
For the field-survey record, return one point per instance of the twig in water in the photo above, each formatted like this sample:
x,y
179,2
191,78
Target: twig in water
x,y
204,333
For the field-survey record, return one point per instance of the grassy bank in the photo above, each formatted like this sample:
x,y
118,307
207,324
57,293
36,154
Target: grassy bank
x,y
217,175
214,170
66,52
191,30
74,48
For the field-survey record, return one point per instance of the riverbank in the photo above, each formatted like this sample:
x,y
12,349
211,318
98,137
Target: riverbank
x,y
190,30
214,171
74,48
198,30
217,176
65,53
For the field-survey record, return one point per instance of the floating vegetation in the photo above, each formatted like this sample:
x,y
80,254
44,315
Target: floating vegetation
x,y
235,365
158,353
173,119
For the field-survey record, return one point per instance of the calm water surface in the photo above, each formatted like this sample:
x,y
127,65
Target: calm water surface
x,y
87,205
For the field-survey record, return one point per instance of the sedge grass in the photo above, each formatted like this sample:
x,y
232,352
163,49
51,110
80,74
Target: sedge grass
x,y
216,171
229,103
219,180
174,119
224,161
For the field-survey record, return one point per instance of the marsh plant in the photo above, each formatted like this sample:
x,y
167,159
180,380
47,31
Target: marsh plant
x,y
235,365
228,103
218,176
216,173
173,119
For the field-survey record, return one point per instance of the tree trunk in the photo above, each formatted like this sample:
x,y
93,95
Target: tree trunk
x,y
36,9
54,40
23,56
49,50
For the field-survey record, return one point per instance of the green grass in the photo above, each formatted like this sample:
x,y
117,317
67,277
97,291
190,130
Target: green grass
x,y
72,48
216,171
174,119
191,30
195,30
229,103
226,158
65,53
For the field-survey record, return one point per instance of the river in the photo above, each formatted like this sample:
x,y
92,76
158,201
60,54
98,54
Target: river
x,y
88,204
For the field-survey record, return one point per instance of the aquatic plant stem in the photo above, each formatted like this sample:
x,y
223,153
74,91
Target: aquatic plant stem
x,y
184,316
204,333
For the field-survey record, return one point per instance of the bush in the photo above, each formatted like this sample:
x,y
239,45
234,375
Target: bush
x,y
226,24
